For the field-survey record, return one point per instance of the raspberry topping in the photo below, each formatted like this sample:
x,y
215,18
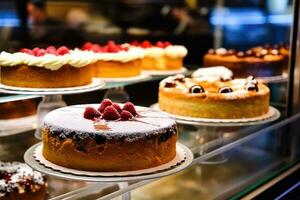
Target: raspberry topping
x,y
117,107
110,47
51,50
160,44
134,43
28,51
146,44
41,52
62,50
91,113
125,115
130,108
166,44
110,113
104,104
87,46
35,50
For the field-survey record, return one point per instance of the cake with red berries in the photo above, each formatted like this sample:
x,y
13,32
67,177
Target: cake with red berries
x,y
17,109
115,61
260,63
46,68
213,97
19,181
162,55
108,137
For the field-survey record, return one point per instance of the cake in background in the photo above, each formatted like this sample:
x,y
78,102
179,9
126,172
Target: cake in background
x,y
108,137
46,68
19,181
213,97
114,60
17,109
260,63
161,55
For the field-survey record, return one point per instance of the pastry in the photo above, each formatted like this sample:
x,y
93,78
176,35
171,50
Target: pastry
x,y
161,56
17,109
108,137
115,61
243,63
46,68
19,181
213,97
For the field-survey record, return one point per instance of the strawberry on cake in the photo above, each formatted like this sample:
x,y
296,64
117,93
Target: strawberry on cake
x,y
114,60
108,137
161,55
46,68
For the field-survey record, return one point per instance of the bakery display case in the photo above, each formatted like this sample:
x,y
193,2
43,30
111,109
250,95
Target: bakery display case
x,y
214,88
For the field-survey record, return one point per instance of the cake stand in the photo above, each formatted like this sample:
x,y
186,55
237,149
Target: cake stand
x,y
182,70
33,161
51,97
216,129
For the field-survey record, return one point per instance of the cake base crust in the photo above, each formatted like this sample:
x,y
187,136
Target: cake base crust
x,y
114,69
113,155
17,109
38,77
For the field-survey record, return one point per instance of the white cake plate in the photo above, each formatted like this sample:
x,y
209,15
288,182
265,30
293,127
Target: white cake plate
x,y
142,77
274,79
183,159
165,72
18,125
272,115
95,85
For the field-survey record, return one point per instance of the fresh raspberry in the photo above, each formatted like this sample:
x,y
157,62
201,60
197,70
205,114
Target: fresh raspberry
x,y
104,49
160,44
87,46
166,44
146,44
125,115
134,43
117,107
62,50
51,50
112,49
124,48
41,52
96,48
91,113
35,50
28,51
110,113
130,108
104,104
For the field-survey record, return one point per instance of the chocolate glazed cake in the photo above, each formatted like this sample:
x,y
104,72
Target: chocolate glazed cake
x,y
260,63
109,142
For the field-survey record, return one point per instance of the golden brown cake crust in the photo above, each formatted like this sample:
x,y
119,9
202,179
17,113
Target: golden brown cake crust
x,y
38,77
17,109
242,66
116,69
177,99
112,156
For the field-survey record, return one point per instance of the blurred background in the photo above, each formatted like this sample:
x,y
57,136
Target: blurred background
x,y
197,24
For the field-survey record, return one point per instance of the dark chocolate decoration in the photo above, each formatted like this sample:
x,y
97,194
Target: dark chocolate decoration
x,y
225,89
251,87
167,134
196,89
100,139
211,51
170,84
240,54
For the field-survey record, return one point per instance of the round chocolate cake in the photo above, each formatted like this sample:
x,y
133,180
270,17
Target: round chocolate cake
x,y
108,138
19,181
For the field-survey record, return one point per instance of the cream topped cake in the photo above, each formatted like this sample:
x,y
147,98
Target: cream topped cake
x,y
109,137
213,97
161,55
114,60
46,68
19,181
